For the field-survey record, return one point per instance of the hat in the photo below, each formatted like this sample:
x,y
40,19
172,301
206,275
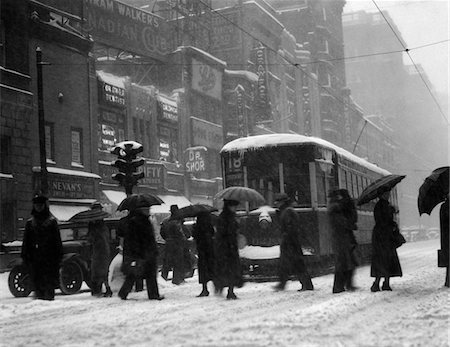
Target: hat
x,y
282,197
173,208
39,199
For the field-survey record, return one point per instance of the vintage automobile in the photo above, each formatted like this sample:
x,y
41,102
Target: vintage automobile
x,y
75,266
76,263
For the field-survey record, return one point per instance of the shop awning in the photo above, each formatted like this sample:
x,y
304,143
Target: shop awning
x,y
65,212
114,196
179,200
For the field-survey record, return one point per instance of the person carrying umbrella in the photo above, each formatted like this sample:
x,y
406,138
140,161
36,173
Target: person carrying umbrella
x,y
228,270
385,262
203,233
98,235
291,254
140,253
343,217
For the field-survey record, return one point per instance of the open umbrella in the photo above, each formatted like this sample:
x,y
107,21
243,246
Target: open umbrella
x,y
240,194
434,190
195,210
135,201
95,213
377,188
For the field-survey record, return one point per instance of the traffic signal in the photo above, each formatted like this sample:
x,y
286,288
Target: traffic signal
x,y
128,164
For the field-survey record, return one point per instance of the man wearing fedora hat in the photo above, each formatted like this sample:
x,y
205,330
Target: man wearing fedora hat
x,y
42,249
291,254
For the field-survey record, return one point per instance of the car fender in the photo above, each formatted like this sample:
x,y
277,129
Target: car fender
x,y
78,259
15,262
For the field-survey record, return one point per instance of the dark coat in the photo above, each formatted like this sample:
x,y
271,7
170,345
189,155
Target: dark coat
x,y
291,254
385,262
140,245
172,232
443,214
99,237
203,233
42,250
228,270
343,221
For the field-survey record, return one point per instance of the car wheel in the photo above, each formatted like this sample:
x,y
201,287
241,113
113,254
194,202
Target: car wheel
x,y
70,277
19,282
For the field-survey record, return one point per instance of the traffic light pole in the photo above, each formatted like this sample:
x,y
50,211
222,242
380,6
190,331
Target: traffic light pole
x,y
42,151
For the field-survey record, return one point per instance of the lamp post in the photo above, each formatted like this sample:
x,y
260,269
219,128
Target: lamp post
x,y
41,122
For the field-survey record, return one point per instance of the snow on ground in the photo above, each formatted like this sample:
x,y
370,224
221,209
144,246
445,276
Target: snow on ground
x,y
415,313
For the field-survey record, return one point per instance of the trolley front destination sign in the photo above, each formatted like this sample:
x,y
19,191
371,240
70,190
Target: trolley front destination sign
x,y
122,26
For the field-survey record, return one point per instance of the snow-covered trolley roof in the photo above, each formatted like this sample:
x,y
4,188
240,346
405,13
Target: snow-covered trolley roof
x,y
244,144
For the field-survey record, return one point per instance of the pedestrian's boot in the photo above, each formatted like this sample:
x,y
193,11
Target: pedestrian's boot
x,y
375,287
108,292
280,286
338,284
231,295
386,286
306,283
349,281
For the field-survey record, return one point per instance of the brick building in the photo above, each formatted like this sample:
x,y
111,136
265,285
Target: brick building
x,y
70,126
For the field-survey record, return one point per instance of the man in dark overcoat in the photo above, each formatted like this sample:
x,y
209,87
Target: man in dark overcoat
x,y
343,217
291,254
42,249
172,233
140,253
228,270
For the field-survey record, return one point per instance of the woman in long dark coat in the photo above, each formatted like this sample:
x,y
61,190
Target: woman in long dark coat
x,y
203,233
42,249
343,217
385,262
99,237
140,253
228,271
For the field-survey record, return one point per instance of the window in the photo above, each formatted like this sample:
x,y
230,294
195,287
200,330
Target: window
x,y
2,44
50,141
5,154
77,157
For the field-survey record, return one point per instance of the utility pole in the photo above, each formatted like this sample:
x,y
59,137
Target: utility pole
x,y
42,151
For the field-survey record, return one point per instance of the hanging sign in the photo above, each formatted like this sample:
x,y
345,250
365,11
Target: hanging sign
x,y
196,159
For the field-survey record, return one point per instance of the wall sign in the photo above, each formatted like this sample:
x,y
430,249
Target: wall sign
x,y
206,79
154,175
206,134
122,26
167,109
196,159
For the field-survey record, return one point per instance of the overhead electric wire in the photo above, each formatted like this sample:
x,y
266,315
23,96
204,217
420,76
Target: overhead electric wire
x,y
415,66
295,65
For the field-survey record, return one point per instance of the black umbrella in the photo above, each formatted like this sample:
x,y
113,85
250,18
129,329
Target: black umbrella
x,y
377,188
89,216
95,213
195,210
135,201
434,190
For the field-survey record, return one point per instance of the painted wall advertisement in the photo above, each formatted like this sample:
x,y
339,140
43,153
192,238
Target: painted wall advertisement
x,y
206,79
206,134
119,25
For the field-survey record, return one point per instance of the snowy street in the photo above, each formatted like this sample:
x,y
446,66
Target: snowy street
x,y
415,313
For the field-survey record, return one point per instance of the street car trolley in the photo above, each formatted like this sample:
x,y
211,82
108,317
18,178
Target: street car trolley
x,y
305,168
